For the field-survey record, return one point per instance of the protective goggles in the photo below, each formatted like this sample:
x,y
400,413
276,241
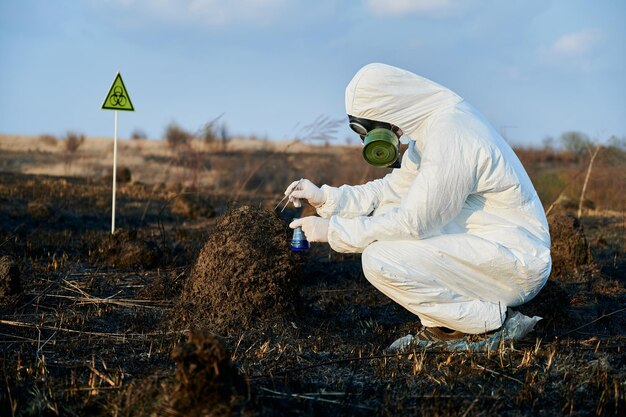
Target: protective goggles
x,y
381,141
364,126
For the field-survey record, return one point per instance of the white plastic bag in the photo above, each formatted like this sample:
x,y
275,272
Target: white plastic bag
x,y
516,327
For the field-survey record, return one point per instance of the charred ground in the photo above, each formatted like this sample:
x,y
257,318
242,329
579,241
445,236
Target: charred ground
x,y
90,324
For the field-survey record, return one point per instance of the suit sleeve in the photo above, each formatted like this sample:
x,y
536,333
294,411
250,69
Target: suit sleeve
x,y
360,200
436,196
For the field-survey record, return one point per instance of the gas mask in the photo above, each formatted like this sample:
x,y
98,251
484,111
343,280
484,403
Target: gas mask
x,y
381,141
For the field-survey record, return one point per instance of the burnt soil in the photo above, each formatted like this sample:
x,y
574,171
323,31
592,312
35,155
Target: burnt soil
x,y
143,322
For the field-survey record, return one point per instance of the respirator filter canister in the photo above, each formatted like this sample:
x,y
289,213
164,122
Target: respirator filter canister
x,y
381,147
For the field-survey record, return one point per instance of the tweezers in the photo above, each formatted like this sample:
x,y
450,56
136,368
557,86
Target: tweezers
x,y
287,196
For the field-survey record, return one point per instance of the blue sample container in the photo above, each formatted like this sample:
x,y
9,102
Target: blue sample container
x,y
298,241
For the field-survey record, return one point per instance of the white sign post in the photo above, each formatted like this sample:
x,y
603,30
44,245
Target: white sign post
x,y
114,174
116,99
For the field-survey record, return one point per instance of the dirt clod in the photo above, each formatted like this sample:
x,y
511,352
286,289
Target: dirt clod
x,y
205,382
9,277
123,175
244,274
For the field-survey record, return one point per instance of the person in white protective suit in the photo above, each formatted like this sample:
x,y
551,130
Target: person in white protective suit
x,y
457,233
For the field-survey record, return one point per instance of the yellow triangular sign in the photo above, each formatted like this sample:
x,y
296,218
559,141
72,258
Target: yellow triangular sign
x,y
118,98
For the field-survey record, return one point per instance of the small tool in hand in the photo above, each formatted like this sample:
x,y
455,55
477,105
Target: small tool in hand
x,y
287,196
281,200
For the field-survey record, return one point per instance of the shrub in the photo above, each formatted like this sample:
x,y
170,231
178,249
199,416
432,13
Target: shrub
x,y
224,136
138,134
176,136
208,132
73,141
575,142
215,131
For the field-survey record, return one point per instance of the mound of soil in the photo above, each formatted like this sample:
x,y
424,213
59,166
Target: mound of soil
x,y
245,273
123,175
206,382
125,250
9,278
570,248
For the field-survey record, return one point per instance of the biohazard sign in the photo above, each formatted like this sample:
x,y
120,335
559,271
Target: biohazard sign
x,y
118,98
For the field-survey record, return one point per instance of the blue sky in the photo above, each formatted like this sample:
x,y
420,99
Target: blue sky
x,y
533,67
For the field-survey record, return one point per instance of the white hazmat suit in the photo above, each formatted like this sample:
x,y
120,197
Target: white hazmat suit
x,y
457,234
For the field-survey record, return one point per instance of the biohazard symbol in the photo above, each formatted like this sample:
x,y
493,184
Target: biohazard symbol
x,y
118,98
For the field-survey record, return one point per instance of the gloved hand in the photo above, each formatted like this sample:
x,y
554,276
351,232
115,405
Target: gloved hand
x,y
305,190
315,228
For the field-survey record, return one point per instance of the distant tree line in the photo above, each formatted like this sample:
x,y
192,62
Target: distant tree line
x,y
579,144
216,132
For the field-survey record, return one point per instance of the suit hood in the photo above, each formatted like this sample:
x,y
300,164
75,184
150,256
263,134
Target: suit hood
x,y
393,95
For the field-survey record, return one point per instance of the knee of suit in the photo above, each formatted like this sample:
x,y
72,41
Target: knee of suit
x,y
379,263
367,261
371,259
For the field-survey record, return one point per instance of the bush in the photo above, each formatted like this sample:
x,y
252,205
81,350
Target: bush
x,y
214,131
176,136
208,132
138,134
73,141
224,136
576,142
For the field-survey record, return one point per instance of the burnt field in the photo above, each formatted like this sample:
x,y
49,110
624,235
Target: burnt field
x,y
196,306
